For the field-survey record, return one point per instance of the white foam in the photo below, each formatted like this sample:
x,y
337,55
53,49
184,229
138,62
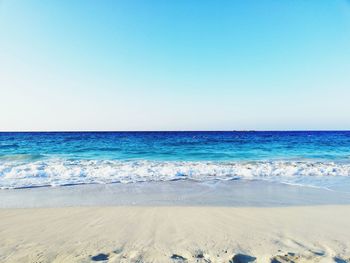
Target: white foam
x,y
55,172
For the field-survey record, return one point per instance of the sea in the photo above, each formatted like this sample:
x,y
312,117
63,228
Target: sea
x,y
319,159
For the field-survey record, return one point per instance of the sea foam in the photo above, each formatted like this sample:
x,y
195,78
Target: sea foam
x,y
59,172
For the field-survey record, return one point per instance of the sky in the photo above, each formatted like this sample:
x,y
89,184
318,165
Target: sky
x,y
174,65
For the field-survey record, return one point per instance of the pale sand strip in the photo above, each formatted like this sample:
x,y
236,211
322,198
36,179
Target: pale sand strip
x,y
154,234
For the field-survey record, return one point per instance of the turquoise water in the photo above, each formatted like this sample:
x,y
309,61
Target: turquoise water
x,y
320,159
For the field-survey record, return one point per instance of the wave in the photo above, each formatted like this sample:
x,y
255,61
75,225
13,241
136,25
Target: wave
x,y
59,172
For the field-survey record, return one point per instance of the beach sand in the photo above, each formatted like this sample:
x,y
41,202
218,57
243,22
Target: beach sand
x,y
176,234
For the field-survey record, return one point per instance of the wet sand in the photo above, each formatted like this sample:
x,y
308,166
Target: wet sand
x,y
176,193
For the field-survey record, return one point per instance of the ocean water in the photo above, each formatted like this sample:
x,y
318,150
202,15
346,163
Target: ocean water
x,y
310,158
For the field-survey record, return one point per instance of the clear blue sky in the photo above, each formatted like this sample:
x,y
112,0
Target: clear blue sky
x,y
174,65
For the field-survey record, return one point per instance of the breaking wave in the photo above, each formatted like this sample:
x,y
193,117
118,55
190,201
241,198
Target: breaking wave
x,y
59,172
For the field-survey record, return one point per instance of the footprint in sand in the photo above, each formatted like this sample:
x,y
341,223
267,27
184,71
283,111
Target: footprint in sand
x,y
241,258
200,257
178,259
100,257
341,260
118,251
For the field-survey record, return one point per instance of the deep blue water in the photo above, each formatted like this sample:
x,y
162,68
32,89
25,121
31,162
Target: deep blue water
x,y
56,158
179,146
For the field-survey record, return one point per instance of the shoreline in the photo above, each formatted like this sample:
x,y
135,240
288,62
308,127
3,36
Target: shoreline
x,y
233,193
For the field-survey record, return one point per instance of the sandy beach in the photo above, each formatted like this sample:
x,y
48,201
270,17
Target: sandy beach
x,y
175,234
181,221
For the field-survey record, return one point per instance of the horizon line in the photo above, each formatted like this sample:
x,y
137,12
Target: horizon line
x,y
125,131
